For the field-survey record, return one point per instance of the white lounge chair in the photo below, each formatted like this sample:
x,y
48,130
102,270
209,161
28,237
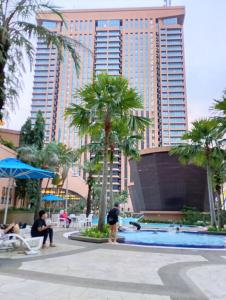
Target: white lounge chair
x,y
33,244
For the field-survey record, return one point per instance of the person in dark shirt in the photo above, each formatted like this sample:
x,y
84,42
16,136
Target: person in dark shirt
x,y
112,220
39,228
137,225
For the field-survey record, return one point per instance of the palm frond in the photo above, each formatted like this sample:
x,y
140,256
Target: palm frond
x,y
54,39
25,9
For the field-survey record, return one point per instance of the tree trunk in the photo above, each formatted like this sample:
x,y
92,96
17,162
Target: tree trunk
x,y
5,45
220,219
103,197
219,213
47,184
111,184
89,200
211,200
38,202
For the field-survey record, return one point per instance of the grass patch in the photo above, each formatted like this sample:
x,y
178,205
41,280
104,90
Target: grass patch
x,y
95,233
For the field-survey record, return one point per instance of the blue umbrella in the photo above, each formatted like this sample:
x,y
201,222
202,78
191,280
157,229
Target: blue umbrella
x,y
13,168
51,197
16,169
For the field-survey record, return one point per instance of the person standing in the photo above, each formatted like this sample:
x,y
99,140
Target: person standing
x,y
112,220
39,228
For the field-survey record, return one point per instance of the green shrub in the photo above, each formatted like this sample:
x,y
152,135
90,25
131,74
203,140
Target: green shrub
x,y
146,220
215,229
95,233
212,228
191,216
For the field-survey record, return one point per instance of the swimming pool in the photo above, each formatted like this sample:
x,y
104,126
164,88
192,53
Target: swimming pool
x,y
125,222
174,239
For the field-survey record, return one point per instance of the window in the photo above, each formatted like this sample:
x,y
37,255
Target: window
x,y
175,94
49,24
42,96
90,25
173,30
44,78
127,24
175,70
41,73
116,187
108,23
136,23
170,21
177,132
174,36
176,89
141,23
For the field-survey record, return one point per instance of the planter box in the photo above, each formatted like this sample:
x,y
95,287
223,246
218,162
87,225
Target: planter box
x,y
82,238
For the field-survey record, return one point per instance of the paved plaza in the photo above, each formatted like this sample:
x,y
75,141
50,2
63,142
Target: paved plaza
x,y
76,270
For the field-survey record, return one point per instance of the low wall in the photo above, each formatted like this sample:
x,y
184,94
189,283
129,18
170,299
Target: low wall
x,y
163,215
18,216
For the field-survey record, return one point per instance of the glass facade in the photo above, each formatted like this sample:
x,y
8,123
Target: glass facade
x,y
145,48
172,87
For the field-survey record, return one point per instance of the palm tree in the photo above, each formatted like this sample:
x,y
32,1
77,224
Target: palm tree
x,y
218,165
220,109
106,102
66,157
202,144
16,31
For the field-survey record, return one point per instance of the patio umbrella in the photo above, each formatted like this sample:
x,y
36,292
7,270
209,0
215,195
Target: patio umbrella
x,y
13,168
51,197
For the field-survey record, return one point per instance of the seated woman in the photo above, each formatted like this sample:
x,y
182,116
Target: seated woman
x,y
12,228
39,228
64,217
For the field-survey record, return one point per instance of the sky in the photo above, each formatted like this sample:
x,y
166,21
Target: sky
x,y
205,53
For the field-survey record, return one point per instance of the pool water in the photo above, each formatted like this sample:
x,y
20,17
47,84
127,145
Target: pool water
x,y
125,222
175,239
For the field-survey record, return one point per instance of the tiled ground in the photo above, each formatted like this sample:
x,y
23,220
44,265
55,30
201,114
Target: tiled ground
x,y
75,270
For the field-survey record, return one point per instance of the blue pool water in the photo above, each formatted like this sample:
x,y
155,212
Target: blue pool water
x,y
125,222
180,239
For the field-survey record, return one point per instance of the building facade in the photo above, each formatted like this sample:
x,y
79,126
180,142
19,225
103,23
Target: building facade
x,y
143,44
160,183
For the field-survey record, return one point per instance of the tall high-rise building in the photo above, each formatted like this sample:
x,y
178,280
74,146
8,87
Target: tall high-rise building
x,y
145,45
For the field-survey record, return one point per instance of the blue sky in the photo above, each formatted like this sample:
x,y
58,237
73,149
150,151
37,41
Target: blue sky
x,y
205,52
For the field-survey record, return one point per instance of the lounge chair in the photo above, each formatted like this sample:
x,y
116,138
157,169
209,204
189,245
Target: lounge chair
x,y
32,244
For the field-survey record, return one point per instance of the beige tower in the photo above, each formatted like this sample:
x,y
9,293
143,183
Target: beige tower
x,y
143,44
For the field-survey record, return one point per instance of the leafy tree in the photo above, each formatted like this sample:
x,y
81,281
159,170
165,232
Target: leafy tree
x,y
54,157
201,149
107,102
26,134
16,31
31,135
66,156
122,197
45,158
91,168
39,130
